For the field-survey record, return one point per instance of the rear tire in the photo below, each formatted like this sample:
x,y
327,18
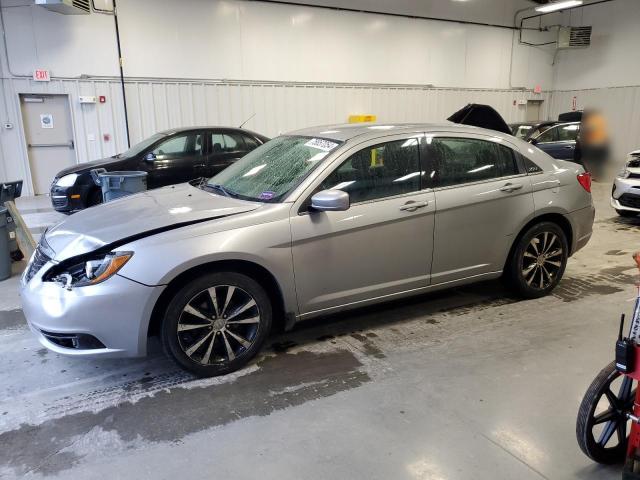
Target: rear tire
x,y
216,323
538,260
626,213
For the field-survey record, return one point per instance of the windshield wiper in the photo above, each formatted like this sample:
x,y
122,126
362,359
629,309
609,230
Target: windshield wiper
x,y
220,188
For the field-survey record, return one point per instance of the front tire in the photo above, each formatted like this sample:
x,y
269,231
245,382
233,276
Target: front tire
x,y
538,260
216,323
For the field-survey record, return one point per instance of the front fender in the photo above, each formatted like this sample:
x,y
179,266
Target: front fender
x,y
157,260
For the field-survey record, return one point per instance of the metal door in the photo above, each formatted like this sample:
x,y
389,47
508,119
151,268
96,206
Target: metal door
x,y
49,137
533,110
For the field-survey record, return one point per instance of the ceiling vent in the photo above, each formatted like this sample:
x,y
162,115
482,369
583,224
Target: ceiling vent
x,y
66,7
574,37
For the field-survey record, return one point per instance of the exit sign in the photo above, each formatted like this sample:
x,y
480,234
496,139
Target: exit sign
x,y
40,75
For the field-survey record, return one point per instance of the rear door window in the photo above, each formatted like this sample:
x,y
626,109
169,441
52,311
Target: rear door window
x,y
466,160
250,142
227,142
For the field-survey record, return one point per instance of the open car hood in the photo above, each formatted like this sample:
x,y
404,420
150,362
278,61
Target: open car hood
x,y
138,216
479,115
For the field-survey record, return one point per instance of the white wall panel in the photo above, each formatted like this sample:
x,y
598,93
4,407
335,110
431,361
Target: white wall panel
x,y
154,106
195,62
613,59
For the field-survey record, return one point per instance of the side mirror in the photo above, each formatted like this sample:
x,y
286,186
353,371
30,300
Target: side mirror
x,y
330,201
150,157
533,141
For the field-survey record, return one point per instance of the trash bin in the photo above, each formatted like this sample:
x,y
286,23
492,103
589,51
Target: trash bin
x,y
119,184
9,191
5,252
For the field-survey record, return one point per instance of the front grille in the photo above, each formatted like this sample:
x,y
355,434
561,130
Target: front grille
x,y
39,260
631,201
59,201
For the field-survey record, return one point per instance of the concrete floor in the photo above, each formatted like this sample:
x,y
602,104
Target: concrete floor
x,y
464,384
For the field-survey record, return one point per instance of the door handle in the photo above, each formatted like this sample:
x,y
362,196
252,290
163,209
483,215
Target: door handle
x,y
569,146
412,206
510,187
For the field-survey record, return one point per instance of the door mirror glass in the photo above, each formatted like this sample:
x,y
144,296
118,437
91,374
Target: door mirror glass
x,y
150,157
330,201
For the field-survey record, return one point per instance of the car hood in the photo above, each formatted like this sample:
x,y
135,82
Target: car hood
x,y
137,216
85,166
478,115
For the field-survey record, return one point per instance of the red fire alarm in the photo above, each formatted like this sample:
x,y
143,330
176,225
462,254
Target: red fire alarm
x,y
102,99
106,137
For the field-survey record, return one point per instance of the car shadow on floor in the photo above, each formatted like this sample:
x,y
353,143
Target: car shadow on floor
x,y
394,314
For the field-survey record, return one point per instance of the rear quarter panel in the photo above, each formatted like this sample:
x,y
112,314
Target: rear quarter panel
x,y
557,190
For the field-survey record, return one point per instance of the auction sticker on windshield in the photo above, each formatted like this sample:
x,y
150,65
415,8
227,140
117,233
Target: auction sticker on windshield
x,y
321,144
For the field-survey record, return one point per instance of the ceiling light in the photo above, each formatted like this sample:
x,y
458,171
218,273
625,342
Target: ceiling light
x,y
552,7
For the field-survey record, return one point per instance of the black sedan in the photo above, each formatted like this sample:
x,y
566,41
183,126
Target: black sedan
x,y
169,157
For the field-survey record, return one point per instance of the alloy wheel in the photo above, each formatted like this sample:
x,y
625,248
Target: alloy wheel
x,y
218,325
542,260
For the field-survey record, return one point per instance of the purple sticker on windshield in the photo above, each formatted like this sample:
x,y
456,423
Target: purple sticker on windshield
x,y
267,195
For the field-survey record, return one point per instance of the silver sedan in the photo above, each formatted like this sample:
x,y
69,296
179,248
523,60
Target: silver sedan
x,y
313,222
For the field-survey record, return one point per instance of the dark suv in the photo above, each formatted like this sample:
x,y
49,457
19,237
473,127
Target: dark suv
x,y
172,156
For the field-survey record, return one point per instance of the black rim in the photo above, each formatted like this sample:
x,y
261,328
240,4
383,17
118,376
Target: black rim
x,y
542,260
608,422
218,325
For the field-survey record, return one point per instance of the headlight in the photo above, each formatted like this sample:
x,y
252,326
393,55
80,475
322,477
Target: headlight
x,y
67,180
90,271
624,173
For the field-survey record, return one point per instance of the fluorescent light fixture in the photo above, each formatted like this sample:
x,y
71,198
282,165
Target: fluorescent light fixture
x,y
552,7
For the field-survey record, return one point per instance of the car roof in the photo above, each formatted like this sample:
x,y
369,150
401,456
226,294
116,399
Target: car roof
x,y
539,122
366,131
171,131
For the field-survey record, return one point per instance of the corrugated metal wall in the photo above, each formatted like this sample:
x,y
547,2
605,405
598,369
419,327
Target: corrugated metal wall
x,y
620,105
155,105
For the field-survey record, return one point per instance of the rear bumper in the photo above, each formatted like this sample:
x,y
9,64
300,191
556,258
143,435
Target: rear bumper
x,y
625,194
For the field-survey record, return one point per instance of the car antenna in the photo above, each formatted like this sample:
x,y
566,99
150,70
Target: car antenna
x,y
245,122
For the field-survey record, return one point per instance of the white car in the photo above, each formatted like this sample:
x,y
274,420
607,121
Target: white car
x,y
625,196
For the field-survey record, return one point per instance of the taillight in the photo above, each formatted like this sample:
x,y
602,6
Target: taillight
x,y
584,179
